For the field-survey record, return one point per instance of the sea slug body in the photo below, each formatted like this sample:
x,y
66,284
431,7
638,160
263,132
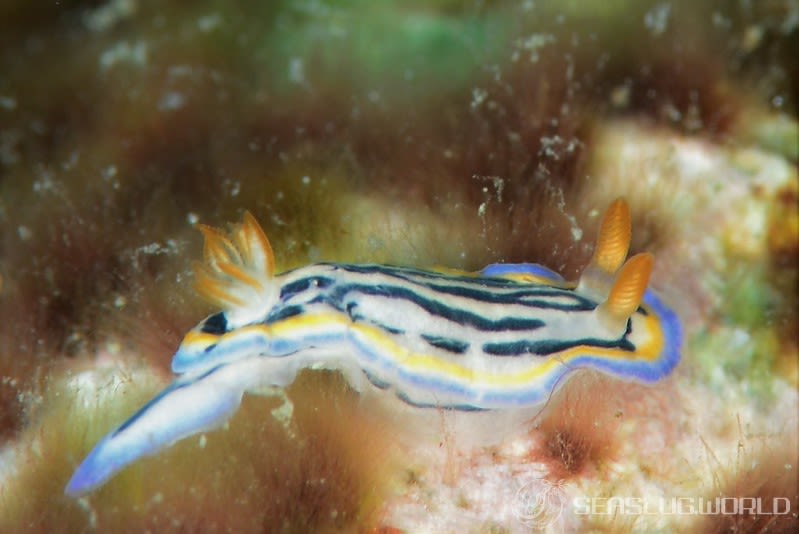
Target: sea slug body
x,y
499,339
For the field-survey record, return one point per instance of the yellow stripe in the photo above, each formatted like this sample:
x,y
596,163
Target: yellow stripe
x,y
651,351
420,363
287,327
200,338
425,363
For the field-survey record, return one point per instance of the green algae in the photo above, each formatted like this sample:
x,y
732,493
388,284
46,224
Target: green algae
x,y
775,132
742,344
379,48
734,359
749,300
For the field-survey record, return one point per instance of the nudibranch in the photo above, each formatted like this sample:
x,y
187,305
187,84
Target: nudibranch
x,y
499,339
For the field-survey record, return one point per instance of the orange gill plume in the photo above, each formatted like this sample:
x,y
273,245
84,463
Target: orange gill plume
x,y
237,268
613,241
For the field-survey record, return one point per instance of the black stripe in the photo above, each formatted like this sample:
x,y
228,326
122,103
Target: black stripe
x,y
463,317
547,347
355,316
460,407
376,382
481,288
447,343
215,324
303,284
579,303
283,312
408,274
